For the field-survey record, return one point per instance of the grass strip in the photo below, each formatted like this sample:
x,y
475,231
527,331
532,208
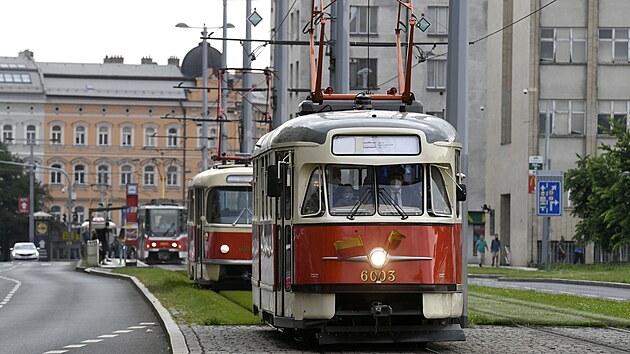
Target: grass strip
x,y
527,307
189,304
616,273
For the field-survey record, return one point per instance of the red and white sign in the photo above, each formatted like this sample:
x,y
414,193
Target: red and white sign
x,y
24,205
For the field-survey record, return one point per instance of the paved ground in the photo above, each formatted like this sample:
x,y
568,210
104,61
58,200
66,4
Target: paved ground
x,y
482,339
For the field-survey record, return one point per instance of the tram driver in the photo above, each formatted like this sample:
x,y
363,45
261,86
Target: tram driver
x,y
345,195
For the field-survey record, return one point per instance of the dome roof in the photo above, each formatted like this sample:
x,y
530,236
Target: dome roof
x,y
191,65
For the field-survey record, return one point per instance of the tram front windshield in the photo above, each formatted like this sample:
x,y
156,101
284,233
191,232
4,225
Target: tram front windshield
x,y
229,205
165,222
365,190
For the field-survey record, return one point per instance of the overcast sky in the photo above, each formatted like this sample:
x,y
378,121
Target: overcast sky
x,y
83,31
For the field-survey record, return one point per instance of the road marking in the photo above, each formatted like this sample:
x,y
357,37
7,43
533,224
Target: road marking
x,y
75,346
147,323
123,331
56,352
136,327
108,336
12,292
92,341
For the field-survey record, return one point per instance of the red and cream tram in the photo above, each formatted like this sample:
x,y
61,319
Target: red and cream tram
x,y
162,231
219,227
357,227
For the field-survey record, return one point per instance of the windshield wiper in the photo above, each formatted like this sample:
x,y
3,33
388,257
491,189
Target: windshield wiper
x,y
362,201
389,200
241,215
169,229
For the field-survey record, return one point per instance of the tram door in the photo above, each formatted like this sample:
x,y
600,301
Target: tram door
x,y
200,203
284,228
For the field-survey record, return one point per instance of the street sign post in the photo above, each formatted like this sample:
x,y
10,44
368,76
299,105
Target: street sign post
x,y
549,193
549,198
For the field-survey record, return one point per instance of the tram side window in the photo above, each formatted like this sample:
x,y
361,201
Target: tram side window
x,y
440,203
313,204
229,205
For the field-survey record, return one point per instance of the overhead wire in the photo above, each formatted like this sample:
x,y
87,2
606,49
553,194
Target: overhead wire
x,y
481,38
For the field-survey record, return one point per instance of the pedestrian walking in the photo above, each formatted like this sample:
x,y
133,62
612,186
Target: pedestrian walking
x,y
482,247
578,255
122,251
495,248
562,253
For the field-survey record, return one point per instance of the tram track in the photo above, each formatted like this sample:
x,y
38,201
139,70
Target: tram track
x,y
550,330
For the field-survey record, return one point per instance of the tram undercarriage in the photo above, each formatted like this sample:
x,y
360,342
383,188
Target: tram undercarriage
x,y
373,318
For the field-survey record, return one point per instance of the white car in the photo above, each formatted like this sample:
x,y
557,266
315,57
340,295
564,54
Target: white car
x,y
24,251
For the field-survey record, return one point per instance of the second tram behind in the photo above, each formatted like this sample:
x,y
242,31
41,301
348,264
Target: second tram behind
x,y
357,227
219,227
162,232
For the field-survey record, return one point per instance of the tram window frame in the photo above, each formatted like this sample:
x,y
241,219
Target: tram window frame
x,y
215,199
311,195
413,182
435,170
353,176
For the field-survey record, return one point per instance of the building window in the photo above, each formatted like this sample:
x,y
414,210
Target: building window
x,y
55,211
7,134
79,135
362,18
563,45
611,110
103,136
613,45
567,116
31,134
212,138
172,137
80,211
15,78
79,174
436,74
102,175
149,137
438,16
172,176
126,174
55,175
127,136
363,74
56,136
149,175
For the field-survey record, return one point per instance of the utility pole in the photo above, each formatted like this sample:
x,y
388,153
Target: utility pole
x,y
223,83
280,53
246,143
340,58
456,110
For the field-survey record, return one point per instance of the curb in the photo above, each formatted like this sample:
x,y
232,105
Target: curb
x,y
172,330
551,280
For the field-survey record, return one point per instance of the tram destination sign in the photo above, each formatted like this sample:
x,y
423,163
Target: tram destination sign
x,y
549,193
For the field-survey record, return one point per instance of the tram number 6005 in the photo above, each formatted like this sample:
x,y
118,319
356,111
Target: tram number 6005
x,y
378,275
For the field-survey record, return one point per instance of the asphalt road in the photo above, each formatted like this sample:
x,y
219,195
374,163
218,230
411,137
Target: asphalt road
x,y
584,290
48,307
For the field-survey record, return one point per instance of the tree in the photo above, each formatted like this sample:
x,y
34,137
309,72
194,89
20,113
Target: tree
x,y
14,184
600,193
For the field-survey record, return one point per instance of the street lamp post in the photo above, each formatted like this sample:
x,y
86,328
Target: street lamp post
x,y
204,92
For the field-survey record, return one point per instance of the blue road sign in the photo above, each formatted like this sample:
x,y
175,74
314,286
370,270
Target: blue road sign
x,y
549,198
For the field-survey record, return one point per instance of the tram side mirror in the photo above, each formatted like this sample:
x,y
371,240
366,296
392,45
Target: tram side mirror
x,y
461,192
273,181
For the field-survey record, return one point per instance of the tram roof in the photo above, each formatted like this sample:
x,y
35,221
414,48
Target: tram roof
x,y
314,128
218,174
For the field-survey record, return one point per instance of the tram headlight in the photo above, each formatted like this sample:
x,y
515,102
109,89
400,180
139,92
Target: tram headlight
x,y
174,244
225,249
378,257
153,244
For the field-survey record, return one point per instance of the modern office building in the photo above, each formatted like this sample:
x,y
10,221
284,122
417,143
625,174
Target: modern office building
x,y
567,62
